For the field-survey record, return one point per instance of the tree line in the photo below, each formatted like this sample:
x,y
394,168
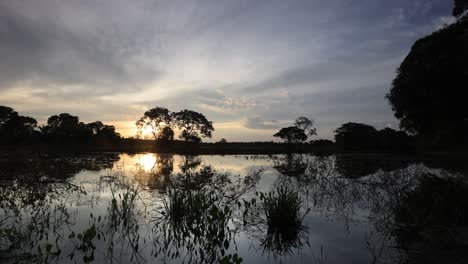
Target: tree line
x,y
61,128
192,126
67,128
349,136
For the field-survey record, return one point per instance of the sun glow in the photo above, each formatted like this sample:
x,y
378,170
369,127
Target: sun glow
x,y
147,132
147,161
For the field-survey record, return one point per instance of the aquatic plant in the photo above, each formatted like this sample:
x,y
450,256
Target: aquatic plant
x,y
284,221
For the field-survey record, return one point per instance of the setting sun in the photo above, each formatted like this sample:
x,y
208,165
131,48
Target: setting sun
x,y
147,132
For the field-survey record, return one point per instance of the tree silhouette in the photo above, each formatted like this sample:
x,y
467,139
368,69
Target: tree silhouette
x,y
355,136
156,118
192,125
166,135
65,127
429,92
460,7
6,113
303,127
292,134
390,139
15,128
306,124
95,127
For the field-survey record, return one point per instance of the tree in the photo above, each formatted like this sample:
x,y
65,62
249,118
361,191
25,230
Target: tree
x,y
157,119
102,131
13,127
166,134
429,93
306,124
303,127
392,140
292,134
95,127
356,136
192,125
6,113
460,7
65,126
222,141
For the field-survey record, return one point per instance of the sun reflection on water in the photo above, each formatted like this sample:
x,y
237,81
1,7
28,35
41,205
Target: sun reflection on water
x,y
147,161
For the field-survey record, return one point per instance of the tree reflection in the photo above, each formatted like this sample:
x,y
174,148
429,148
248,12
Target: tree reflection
x,y
291,165
198,213
196,223
431,221
409,209
158,176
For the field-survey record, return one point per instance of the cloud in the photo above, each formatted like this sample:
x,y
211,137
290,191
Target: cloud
x,y
256,64
55,43
259,123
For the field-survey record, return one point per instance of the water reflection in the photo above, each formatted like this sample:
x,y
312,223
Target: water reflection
x,y
288,208
153,172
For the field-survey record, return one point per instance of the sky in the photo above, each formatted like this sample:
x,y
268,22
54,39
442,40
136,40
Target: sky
x,y
251,67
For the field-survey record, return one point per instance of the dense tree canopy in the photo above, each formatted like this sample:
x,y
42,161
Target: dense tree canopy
x,y
165,135
6,113
64,125
14,127
292,134
156,119
355,136
429,92
192,125
461,6
101,131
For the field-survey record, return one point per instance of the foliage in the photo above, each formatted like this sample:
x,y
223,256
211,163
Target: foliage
x,y
306,124
292,165
357,136
165,135
428,94
302,129
101,131
15,128
65,127
192,125
156,119
284,219
431,220
460,7
292,134
278,214
198,225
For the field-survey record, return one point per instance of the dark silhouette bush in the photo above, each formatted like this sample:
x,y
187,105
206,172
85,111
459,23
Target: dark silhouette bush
x,y
429,92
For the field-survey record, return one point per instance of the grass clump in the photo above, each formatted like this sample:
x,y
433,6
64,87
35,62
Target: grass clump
x,y
284,221
282,209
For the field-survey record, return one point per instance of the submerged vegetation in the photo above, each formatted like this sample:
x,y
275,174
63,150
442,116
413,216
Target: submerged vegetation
x,y
284,220
201,214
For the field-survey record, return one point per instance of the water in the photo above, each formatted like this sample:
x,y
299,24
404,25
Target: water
x,y
146,208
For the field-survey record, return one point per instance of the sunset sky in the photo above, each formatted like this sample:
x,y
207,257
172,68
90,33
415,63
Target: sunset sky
x,y
250,66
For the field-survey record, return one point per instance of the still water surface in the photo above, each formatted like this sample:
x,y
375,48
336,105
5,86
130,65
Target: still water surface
x,y
147,208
